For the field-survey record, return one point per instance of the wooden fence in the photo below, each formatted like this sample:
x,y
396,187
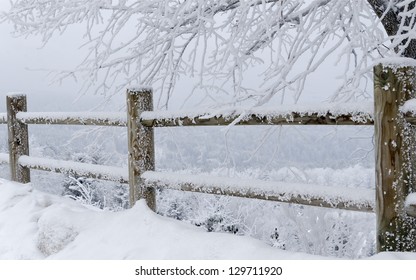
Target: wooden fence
x,y
393,86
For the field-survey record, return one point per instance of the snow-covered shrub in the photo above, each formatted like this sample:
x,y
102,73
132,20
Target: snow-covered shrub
x,y
314,230
97,193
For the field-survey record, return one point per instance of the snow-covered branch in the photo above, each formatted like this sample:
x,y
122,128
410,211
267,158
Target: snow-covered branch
x,y
215,43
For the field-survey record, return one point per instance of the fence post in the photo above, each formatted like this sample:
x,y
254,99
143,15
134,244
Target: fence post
x,y
141,145
396,231
18,138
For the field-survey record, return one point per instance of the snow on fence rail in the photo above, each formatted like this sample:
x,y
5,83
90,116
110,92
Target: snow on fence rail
x,y
388,114
73,118
317,114
305,194
79,169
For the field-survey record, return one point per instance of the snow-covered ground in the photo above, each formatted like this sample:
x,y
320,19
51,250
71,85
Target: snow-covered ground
x,y
37,225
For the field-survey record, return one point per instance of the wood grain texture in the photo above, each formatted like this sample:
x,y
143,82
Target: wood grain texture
x,y
395,229
18,138
295,118
140,146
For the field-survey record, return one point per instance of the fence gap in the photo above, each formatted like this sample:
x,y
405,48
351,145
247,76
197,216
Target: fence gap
x,y
18,138
140,146
395,229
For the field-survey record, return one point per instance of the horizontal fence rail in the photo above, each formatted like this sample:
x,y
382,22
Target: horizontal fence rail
x,y
340,114
101,172
249,116
72,118
304,194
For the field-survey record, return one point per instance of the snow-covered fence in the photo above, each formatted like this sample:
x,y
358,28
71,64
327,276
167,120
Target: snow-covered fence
x,y
140,120
394,88
141,145
71,118
318,114
393,118
305,194
95,171
17,120
392,115
18,138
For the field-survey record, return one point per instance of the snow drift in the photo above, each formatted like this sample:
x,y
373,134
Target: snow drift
x,y
36,225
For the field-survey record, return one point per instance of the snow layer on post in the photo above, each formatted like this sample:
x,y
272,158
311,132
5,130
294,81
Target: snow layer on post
x,y
101,172
141,88
314,195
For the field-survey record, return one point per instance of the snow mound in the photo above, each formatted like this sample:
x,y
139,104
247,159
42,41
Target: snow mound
x,y
37,225
43,226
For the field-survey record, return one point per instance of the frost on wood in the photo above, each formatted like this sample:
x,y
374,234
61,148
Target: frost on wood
x,y
74,118
76,168
327,113
140,147
18,137
395,155
341,198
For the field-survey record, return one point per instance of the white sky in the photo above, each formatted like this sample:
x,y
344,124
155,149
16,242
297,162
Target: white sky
x,y
24,64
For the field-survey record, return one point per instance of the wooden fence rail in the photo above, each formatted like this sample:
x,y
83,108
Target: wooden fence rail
x,y
90,118
305,194
77,169
396,223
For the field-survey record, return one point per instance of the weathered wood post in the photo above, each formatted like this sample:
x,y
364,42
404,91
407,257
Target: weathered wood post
x,y
141,145
18,137
396,231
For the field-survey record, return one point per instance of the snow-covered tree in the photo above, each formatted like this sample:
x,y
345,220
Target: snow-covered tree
x,y
217,42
